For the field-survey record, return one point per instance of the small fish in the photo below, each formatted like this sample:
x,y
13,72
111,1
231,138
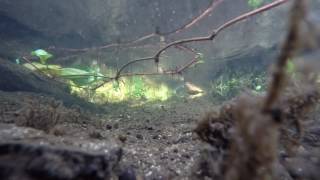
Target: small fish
x,y
258,88
193,89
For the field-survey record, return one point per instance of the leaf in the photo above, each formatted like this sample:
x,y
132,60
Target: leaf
x,y
79,77
48,69
42,54
73,72
37,66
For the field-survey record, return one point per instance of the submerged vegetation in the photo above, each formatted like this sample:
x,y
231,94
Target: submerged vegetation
x,y
229,86
127,89
83,82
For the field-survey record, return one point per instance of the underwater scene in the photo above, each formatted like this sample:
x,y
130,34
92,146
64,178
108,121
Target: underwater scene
x,y
159,90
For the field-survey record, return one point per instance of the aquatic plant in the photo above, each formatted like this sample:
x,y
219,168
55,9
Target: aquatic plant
x,y
84,80
77,76
228,86
137,88
80,77
43,55
133,89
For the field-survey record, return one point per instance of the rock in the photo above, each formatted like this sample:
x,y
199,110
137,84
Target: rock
x,y
108,127
128,173
95,134
25,161
122,138
304,167
139,136
27,153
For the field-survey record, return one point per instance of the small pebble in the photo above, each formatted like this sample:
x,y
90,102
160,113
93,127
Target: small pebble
x,y
108,127
156,136
122,138
139,136
95,135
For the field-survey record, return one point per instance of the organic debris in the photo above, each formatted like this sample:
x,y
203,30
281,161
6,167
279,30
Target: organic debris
x,y
257,131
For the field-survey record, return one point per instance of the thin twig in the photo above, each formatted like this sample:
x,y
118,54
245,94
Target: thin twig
x,y
195,20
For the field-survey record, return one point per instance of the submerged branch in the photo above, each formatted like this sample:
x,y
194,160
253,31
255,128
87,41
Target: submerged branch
x,y
210,37
178,43
290,46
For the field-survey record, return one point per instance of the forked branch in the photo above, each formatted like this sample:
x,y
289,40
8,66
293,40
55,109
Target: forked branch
x,y
210,37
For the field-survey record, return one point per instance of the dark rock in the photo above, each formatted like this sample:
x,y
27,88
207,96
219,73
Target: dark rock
x,y
108,127
150,128
157,136
304,167
139,136
95,134
122,138
312,136
128,174
25,161
175,150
